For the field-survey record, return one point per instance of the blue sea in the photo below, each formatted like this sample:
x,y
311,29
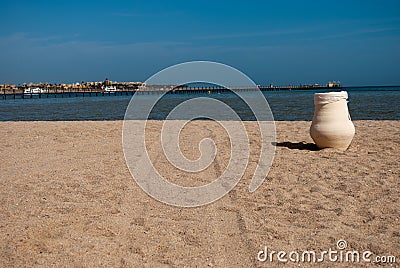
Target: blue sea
x,y
364,103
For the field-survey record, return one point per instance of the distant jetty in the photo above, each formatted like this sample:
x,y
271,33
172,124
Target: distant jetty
x,y
107,87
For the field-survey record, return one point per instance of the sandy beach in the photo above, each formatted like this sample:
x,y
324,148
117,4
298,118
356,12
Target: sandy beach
x,y
67,198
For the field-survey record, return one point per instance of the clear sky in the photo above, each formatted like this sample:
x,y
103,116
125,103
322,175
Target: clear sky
x,y
279,42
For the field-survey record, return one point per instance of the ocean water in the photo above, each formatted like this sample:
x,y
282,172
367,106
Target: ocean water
x,y
364,103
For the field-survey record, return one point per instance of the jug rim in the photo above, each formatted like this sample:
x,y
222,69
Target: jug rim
x,y
329,97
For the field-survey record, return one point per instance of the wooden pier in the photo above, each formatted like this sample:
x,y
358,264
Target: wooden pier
x,y
20,93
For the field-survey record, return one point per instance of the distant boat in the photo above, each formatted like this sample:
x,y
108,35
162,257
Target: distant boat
x,y
110,89
36,90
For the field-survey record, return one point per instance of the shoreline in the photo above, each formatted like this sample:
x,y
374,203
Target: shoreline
x,y
130,91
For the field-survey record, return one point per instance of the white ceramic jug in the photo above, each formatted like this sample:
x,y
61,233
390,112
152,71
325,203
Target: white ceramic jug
x,y
331,125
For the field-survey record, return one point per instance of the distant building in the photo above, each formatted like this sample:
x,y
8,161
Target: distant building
x,y
107,82
333,84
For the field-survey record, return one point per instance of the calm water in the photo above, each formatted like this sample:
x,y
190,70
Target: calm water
x,y
364,103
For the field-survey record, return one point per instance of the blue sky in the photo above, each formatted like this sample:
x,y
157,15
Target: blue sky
x,y
279,42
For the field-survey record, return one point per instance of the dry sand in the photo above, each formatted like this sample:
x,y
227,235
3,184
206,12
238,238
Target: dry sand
x,y
68,199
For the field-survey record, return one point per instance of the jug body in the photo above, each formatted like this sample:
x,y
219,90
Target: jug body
x,y
331,126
